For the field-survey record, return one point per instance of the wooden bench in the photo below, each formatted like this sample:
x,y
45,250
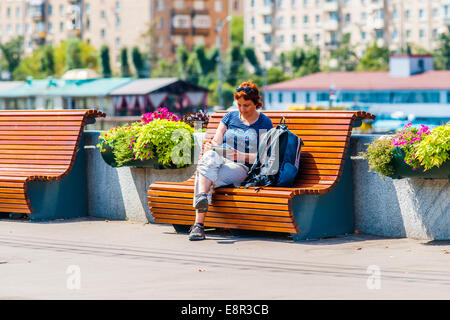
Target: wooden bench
x,y
318,205
39,146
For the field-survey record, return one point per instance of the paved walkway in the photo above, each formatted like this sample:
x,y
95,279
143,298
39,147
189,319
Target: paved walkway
x,y
95,259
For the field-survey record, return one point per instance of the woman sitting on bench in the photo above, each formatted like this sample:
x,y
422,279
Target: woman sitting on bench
x,y
229,156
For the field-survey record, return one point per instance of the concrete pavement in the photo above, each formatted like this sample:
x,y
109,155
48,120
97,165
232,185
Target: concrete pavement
x,y
98,259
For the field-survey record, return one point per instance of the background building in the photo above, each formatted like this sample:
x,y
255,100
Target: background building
x,y
156,25
278,26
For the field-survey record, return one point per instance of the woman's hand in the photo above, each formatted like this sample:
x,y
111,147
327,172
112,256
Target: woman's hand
x,y
207,146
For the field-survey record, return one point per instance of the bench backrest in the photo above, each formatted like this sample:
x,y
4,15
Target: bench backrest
x,y
41,140
326,137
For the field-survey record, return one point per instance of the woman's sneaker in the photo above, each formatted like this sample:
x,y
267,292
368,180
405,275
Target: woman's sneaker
x,y
202,202
197,232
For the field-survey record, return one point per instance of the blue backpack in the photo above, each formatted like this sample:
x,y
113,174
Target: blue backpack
x,y
278,159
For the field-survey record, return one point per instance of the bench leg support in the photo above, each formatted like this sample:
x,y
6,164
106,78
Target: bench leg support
x,y
62,199
327,215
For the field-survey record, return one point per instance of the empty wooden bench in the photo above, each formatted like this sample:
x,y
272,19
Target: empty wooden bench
x,y
38,148
318,205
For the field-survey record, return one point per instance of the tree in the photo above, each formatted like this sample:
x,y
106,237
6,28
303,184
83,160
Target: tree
x,y
12,53
237,29
442,53
48,60
275,75
105,62
250,56
138,62
124,65
74,59
235,62
375,59
344,55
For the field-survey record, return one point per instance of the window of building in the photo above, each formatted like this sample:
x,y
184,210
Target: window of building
x,y
293,20
102,33
9,29
118,5
317,19
305,20
394,34
408,33
317,37
268,19
435,13
280,97
102,14
305,37
252,3
280,21
394,14
305,3
252,21
50,27
118,22
294,97
347,17
270,96
61,10
8,12
435,34
379,33
281,39
422,33
19,29
322,96
334,16
294,38
363,16
280,4
448,96
159,5
308,97
408,14
118,43
18,12
50,10
268,38
267,56
88,8
253,40
421,14
293,3
363,35
218,6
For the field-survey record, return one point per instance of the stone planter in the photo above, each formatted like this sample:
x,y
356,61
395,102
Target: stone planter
x,y
402,170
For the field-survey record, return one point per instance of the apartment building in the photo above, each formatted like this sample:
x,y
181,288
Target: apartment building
x,y
160,25
189,23
276,26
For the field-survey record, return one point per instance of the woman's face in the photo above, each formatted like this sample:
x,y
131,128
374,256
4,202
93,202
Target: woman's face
x,y
246,106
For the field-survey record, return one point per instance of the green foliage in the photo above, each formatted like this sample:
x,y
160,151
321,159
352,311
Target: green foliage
x,y
138,62
379,156
170,141
442,53
121,140
12,53
375,59
344,55
434,149
237,29
250,55
304,61
124,65
275,75
105,62
74,59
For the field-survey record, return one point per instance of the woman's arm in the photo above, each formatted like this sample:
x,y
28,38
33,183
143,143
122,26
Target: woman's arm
x,y
218,137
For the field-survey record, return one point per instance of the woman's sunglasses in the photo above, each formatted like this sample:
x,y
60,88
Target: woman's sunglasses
x,y
245,89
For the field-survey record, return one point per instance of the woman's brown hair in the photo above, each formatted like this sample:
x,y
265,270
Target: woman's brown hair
x,y
249,94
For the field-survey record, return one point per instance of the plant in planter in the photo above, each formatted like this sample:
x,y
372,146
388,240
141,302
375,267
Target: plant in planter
x,y
412,152
197,117
159,140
